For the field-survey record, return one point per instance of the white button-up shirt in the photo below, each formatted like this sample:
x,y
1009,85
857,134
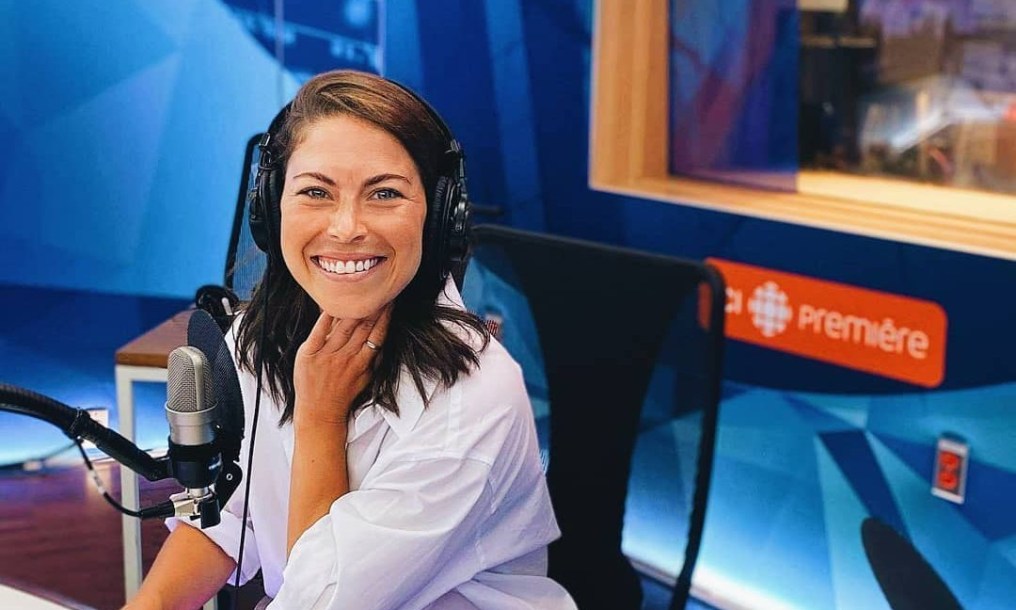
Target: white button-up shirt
x,y
448,507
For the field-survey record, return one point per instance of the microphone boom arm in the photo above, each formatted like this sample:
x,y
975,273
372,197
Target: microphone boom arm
x,y
78,424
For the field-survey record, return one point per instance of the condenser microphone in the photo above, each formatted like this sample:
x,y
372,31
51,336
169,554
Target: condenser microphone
x,y
194,453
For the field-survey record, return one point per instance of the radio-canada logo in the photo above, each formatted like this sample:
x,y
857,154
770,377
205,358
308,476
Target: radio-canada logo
x,y
770,309
881,333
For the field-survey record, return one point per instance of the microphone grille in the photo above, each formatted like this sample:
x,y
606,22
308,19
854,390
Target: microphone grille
x,y
190,381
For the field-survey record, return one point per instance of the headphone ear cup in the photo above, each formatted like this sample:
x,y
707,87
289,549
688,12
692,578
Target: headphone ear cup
x,y
263,209
256,218
436,234
459,228
263,218
276,179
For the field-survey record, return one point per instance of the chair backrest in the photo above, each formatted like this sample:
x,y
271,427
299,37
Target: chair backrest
x,y
592,327
244,262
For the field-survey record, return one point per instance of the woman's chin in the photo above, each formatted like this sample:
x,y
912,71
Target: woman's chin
x,y
351,311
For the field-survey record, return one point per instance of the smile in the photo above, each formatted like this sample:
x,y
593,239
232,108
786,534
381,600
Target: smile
x,y
338,267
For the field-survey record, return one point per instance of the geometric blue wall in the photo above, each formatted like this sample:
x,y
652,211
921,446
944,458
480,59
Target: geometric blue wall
x,y
806,450
123,126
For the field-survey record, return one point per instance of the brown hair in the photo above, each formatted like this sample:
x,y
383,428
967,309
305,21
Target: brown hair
x,y
422,337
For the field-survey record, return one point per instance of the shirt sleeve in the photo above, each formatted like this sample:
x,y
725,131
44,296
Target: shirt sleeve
x,y
402,541
227,536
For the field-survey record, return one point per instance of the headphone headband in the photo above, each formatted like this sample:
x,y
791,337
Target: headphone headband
x,y
452,142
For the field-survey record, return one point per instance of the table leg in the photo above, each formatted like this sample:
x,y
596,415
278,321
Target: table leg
x,y
126,375
129,484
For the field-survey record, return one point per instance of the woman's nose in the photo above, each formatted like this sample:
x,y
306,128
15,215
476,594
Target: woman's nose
x,y
347,223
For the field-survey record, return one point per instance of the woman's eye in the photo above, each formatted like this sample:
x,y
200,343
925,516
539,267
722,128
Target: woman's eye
x,y
387,193
314,193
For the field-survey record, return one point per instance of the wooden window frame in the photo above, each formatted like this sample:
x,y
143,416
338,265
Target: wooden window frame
x,y
629,137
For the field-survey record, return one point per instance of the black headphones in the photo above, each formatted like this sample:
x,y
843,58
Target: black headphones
x,y
445,232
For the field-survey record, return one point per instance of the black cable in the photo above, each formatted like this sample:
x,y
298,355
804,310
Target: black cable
x,y
100,486
159,511
258,369
77,425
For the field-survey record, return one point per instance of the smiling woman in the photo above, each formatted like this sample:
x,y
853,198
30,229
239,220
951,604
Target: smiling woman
x,y
360,169
401,440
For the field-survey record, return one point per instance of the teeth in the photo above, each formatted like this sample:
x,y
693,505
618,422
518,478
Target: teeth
x,y
342,268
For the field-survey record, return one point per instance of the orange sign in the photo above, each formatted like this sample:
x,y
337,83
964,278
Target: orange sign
x,y
867,330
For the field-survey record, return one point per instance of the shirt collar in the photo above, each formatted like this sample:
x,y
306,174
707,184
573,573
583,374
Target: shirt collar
x,y
407,397
450,295
411,406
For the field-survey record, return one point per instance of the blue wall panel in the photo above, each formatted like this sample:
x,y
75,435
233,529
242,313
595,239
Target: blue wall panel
x,y
128,122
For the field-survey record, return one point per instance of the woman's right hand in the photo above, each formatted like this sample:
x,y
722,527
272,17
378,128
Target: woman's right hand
x,y
335,364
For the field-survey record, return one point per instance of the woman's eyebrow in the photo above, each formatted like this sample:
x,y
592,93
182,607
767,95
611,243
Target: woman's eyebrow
x,y
382,177
316,175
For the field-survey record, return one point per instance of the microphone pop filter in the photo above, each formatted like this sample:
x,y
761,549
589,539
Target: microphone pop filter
x,y
204,334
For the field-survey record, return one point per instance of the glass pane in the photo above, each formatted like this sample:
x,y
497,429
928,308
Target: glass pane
x,y
733,91
923,90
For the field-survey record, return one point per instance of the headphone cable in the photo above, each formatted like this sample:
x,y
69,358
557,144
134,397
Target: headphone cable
x,y
259,368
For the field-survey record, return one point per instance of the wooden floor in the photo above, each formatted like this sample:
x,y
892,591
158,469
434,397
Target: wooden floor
x,y
59,536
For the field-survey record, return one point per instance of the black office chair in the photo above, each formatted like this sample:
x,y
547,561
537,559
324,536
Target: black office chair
x,y
589,324
244,261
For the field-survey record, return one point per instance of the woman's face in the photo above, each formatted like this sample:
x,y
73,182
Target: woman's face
x,y
353,210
